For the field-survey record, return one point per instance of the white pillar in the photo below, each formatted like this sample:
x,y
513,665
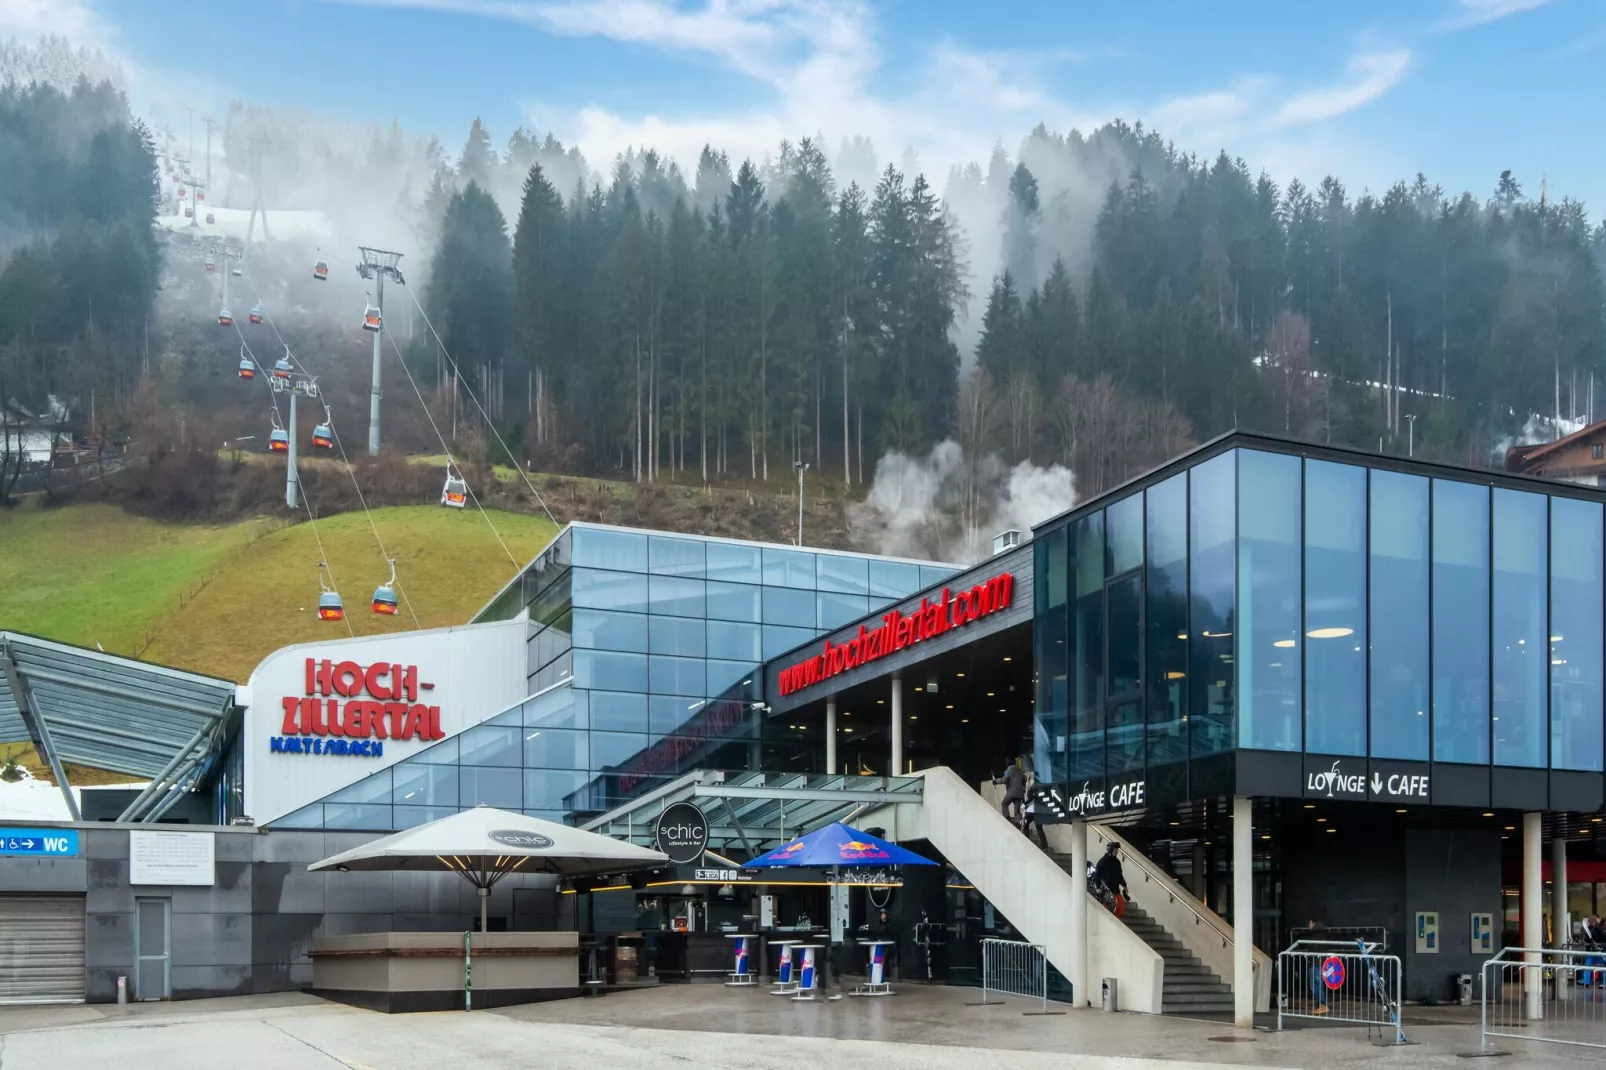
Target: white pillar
x,y
897,724
1560,923
830,735
1243,913
1080,995
1533,912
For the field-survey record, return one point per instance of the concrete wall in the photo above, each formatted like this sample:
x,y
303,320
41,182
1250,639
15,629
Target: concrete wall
x,y
251,930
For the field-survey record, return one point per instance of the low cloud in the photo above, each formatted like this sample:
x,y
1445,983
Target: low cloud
x,y
1478,12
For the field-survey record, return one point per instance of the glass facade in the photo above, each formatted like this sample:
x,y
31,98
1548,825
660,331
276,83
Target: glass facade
x,y
1270,601
644,661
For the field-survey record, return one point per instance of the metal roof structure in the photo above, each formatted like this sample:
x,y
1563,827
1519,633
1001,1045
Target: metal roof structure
x,y
114,713
756,812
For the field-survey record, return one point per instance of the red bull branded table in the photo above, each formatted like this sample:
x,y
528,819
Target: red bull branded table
x,y
785,982
741,969
875,983
808,978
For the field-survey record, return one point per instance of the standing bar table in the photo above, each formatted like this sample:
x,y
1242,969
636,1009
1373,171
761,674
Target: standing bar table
x,y
808,980
785,980
875,980
741,975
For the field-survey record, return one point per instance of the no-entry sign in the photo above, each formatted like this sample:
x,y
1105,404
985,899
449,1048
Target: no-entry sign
x,y
1333,973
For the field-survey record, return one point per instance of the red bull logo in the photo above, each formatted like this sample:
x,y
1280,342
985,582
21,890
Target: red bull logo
x,y
855,849
790,849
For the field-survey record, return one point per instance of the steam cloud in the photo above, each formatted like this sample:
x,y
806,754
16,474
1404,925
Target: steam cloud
x,y
947,506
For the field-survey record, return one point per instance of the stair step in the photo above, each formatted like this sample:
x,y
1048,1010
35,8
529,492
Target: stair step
x,y
1196,985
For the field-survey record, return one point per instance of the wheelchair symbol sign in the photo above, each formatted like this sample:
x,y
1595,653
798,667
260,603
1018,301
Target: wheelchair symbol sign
x,y
1333,973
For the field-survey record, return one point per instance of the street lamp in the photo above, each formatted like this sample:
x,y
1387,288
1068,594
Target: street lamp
x,y
801,466
1410,435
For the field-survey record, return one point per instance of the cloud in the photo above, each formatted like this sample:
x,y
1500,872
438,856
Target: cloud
x,y
1478,12
29,19
1367,77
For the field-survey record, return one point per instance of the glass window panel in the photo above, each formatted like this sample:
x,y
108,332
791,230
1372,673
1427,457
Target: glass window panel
x,y
725,675
502,788
1398,520
606,629
1460,622
559,670
735,601
675,676
357,816
893,579
735,563
625,551
788,568
425,785
308,817
1166,606
563,707
615,748
550,788
1124,539
513,715
676,635
610,670
592,589
1212,521
848,575
735,642
490,745
1086,744
668,712
678,596
931,575
555,748
1126,736
407,817
553,641
554,600
374,788
676,557
788,606
1575,635
618,711
1125,601
1519,612
1050,563
839,609
1267,656
1335,608
778,640
443,753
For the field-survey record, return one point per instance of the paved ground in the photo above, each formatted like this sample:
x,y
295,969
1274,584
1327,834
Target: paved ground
x,y
701,1026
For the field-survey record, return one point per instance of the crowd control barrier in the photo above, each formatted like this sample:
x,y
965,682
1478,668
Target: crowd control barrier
x,y
1546,995
1014,968
1340,981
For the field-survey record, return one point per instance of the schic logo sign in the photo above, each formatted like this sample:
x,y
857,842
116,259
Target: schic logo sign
x,y
899,629
380,702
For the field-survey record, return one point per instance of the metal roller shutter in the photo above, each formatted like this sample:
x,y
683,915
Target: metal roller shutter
x,y
41,949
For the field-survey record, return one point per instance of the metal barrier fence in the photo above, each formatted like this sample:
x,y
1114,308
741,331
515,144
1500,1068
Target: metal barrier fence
x,y
1375,937
1550,996
1014,968
1340,981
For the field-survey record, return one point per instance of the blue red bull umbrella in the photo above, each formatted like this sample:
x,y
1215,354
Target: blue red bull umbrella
x,y
838,845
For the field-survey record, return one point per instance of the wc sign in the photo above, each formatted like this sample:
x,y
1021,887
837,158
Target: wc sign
x,y
50,843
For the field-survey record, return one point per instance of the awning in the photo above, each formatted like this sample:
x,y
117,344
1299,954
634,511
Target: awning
x,y
113,713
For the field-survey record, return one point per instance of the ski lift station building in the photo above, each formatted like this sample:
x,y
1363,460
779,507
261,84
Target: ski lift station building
x,y
1295,683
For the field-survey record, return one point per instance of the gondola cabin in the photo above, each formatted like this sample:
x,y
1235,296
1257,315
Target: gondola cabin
x,y
385,600
210,219
323,437
454,493
281,370
278,441
211,265
200,194
189,213
247,369
330,607
320,271
370,319
182,192
225,318
256,314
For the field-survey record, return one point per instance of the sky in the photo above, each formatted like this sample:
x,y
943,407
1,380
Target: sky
x,y
1369,90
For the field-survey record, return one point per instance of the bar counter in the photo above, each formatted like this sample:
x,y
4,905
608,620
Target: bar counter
x,y
399,972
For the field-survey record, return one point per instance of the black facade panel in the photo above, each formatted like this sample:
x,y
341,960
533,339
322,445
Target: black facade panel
x,y
1460,785
1520,789
1455,874
1578,793
1274,773
1215,775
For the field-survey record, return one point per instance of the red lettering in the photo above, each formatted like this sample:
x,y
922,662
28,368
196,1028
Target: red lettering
x,y
311,668
291,707
348,678
354,719
325,687
397,711
312,718
371,680
416,724
435,731
409,682
376,719
331,715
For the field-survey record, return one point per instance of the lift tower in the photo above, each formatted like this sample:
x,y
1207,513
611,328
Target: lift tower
x,y
297,387
376,265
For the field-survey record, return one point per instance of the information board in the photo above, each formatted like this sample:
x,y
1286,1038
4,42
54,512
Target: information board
x,y
171,858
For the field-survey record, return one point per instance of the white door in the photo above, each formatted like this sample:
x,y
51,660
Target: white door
x,y
153,973
41,949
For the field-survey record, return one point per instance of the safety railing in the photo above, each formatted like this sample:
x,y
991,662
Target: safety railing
x,y
1375,936
1149,873
1340,981
1545,995
1014,968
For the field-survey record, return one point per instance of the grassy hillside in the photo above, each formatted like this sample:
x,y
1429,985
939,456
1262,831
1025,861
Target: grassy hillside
x,y
219,599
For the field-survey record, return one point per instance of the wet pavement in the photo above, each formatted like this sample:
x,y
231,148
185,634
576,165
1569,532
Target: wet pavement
x,y
708,1026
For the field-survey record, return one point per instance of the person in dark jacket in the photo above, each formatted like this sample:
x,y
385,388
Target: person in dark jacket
x,y
1109,872
1014,781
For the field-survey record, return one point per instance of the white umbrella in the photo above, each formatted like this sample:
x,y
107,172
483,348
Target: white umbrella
x,y
483,845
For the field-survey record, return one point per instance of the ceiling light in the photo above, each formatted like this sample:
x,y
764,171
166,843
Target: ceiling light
x,y
848,730
1000,709
1488,814
912,717
1332,830
1216,635
1310,806
1511,828
919,688
989,694
1399,811
950,706
1182,635
1265,836
1174,824
959,675
964,720
1329,633
880,702
1006,658
1321,820
1175,675
1555,639
1285,643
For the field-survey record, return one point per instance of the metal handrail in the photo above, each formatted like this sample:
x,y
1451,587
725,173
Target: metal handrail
x,y
1152,875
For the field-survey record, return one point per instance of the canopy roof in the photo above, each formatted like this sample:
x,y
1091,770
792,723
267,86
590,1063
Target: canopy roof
x,y
114,713
838,845
485,844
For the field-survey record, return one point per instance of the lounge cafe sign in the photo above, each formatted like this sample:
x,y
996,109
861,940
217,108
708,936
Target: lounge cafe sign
x,y
350,710
898,630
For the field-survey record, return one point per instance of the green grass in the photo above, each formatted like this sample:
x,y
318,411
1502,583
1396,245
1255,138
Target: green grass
x,y
219,599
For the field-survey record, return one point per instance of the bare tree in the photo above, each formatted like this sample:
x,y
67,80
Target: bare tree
x,y
976,411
